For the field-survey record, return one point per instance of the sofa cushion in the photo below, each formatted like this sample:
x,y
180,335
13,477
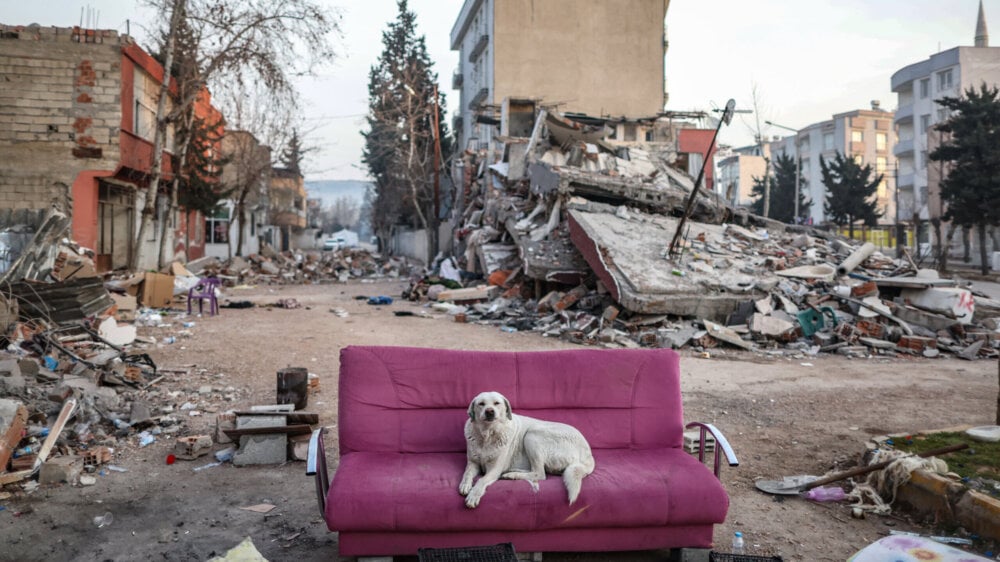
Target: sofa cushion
x,y
413,400
378,491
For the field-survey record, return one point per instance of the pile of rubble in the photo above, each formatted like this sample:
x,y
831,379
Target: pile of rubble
x,y
571,232
78,389
272,268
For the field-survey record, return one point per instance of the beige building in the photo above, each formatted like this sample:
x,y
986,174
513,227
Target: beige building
x,y
737,172
598,57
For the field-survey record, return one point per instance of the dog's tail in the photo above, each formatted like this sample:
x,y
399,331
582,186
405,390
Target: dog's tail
x,y
573,477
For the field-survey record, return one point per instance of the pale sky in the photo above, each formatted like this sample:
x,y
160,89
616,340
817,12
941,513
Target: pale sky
x,y
809,59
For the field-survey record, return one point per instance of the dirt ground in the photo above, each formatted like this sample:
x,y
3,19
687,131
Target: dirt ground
x,y
782,416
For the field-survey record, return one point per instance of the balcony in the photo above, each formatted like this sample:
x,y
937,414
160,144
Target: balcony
x,y
479,98
456,80
903,147
479,48
904,181
904,114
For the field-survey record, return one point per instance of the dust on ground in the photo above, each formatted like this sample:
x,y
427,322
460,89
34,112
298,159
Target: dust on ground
x,y
782,416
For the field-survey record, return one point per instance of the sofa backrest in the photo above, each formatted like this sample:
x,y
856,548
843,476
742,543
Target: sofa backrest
x,y
404,399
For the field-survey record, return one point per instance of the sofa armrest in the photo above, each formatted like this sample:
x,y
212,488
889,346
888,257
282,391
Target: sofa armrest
x,y
720,444
316,466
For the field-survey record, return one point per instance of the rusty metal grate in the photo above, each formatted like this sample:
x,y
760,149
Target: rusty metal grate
x,y
503,552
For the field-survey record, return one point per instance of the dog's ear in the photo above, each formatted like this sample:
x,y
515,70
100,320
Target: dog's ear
x,y
472,410
506,403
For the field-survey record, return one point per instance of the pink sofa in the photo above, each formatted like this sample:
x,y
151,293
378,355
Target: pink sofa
x,y
402,453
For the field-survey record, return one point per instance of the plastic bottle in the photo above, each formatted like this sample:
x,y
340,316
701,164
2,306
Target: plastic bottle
x,y
826,494
738,543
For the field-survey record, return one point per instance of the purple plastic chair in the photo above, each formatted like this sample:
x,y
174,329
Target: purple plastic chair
x,y
205,290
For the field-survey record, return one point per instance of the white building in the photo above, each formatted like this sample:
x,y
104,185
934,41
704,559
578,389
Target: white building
x,y
948,73
863,134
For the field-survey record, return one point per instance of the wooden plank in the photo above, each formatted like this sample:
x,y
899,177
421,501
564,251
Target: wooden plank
x,y
292,417
299,429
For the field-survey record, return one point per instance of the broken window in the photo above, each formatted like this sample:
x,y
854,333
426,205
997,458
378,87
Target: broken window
x,y
629,132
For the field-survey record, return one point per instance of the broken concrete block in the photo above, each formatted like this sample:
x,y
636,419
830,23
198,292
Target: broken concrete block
x,y
61,469
192,447
877,343
13,418
770,326
610,313
951,302
262,449
140,412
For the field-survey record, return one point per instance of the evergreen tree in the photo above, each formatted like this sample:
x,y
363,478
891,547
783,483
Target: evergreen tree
x,y
291,157
202,188
850,190
971,188
782,192
399,144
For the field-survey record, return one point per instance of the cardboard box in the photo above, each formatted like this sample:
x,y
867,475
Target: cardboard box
x,y
127,305
157,290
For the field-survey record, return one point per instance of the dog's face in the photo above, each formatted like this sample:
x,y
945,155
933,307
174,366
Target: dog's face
x,y
489,407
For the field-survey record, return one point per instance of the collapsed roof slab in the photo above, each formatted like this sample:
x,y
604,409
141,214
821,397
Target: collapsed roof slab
x,y
627,254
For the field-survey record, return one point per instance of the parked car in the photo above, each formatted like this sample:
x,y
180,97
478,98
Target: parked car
x,y
331,244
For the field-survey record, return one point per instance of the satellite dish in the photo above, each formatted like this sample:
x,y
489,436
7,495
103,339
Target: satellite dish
x,y
727,115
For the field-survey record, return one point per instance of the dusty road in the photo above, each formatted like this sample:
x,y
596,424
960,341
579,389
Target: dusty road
x,y
782,416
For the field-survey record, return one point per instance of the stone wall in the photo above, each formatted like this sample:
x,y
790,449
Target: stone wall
x,y
60,111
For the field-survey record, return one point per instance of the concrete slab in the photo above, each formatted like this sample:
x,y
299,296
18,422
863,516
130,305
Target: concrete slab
x,y
261,449
627,254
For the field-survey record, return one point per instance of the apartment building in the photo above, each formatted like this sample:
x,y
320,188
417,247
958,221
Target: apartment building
x,y
600,58
77,117
866,135
945,74
738,168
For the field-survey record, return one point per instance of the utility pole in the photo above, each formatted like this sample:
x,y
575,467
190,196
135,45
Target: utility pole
x,y
727,117
437,159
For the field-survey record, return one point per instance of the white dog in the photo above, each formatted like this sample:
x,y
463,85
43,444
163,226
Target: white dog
x,y
501,444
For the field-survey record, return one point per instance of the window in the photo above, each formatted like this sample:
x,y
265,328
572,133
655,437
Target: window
x,y
942,114
217,227
881,141
925,123
944,80
925,88
629,135
881,163
827,141
882,189
857,136
859,159
923,159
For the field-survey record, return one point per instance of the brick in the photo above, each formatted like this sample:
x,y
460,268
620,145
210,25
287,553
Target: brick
x,y
192,447
916,343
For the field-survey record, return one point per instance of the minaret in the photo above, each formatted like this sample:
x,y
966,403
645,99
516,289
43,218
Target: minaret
x,y
982,36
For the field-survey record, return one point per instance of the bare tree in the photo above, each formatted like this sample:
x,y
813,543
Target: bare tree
x,y
235,42
259,120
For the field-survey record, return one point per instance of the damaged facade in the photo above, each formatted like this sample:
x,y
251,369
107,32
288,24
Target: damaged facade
x,y
78,107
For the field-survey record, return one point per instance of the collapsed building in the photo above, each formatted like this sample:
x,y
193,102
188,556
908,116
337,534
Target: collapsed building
x,y
574,224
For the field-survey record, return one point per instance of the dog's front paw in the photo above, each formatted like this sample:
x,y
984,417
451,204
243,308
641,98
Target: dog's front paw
x,y
465,487
472,499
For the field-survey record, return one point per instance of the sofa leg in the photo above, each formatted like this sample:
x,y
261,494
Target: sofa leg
x,y
690,555
530,556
